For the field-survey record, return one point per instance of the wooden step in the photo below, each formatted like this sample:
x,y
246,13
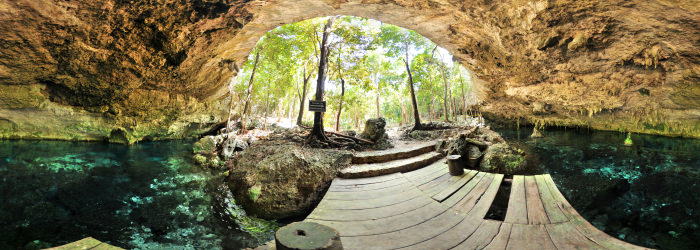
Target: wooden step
x,y
393,154
384,168
86,243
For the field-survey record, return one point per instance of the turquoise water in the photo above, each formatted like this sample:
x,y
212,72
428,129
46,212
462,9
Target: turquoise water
x,y
147,196
151,195
647,194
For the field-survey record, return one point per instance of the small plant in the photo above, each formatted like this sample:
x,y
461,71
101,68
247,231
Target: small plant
x,y
254,192
628,141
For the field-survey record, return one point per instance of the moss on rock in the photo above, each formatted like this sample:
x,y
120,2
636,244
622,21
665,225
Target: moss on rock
x,y
504,159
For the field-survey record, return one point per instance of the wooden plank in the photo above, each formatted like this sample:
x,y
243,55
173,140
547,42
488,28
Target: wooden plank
x,y
393,154
464,191
418,180
484,234
385,225
368,180
367,187
535,209
436,182
566,236
500,242
468,201
517,208
554,214
453,187
384,168
591,232
404,237
85,243
388,200
452,237
371,213
371,194
534,237
433,167
484,204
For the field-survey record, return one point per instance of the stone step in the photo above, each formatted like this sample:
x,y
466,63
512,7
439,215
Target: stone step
x,y
384,168
393,154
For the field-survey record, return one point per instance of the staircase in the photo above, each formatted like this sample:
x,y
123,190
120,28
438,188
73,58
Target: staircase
x,y
397,160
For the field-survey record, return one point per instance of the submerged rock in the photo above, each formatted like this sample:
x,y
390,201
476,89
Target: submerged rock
x,y
536,133
282,181
206,145
503,158
375,131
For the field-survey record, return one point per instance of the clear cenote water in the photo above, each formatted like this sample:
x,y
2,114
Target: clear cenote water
x,y
646,194
151,195
146,196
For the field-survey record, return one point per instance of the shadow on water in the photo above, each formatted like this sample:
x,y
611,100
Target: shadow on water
x,y
646,194
147,196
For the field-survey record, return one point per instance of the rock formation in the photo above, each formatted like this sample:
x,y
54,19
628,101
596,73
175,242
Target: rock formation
x,y
274,179
374,131
158,69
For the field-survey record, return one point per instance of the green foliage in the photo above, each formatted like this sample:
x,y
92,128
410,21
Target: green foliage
x,y
261,230
369,58
200,159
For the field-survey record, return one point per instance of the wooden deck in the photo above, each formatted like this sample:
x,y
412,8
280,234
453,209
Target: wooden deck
x,y
85,244
430,209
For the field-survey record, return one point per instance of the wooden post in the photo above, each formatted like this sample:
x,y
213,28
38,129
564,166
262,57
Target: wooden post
x,y
455,165
307,235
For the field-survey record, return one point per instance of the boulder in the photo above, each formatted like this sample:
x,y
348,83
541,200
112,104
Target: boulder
x,y
487,135
374,131
206,145
276,181
231,146
503,159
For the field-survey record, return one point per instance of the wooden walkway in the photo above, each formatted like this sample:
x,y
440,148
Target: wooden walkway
x,y
86,243
430,209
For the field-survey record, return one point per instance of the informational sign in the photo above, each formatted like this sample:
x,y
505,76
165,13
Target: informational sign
x,y
317,106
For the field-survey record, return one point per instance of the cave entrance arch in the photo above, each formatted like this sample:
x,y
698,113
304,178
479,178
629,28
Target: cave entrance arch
x,y
437,24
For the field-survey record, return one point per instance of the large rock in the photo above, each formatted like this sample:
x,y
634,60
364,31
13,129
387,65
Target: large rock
x,y
232,145
375,131
205,145
504,159
279,181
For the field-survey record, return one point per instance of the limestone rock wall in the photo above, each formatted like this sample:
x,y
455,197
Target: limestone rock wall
x,y
78,69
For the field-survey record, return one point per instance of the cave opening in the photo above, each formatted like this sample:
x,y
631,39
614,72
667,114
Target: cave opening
x,y
367,76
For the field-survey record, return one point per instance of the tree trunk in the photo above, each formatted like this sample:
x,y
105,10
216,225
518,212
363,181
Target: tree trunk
x,y
340,105
445,98
403,112
291,109
416,115
464,97
454,108
317,130
377,99
302,98
249,93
